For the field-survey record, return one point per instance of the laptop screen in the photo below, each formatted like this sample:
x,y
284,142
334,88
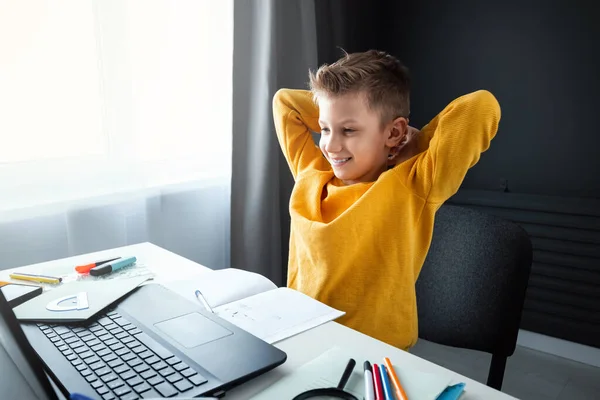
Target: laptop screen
x,y
21,372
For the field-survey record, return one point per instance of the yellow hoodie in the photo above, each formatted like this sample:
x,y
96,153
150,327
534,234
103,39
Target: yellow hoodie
x,y
360,248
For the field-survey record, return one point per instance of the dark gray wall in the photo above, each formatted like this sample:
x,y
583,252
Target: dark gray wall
x,y
540,59
352,25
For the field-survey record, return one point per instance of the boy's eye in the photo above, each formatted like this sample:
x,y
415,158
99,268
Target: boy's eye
x,y
348,130
324,130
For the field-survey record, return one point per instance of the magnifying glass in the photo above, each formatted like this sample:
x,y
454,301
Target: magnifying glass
x,y
333,392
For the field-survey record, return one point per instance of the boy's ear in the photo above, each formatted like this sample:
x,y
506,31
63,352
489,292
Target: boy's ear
x,y
397,132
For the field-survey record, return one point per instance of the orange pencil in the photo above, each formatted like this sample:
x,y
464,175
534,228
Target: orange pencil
x,y
395,381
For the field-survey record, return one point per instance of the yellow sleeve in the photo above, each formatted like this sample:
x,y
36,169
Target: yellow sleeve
x,y
456,138
295,115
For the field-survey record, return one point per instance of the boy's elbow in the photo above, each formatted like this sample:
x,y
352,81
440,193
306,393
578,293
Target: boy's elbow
x,y
278,98
482,109
281,104
487,105
284,100
286,96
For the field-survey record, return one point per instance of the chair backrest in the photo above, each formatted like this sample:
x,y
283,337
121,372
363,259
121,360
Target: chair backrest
x,y
471,289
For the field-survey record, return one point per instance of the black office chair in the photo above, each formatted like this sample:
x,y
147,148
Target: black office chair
x,y
471,289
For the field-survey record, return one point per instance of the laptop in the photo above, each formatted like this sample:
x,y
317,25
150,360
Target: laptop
x,y
151,344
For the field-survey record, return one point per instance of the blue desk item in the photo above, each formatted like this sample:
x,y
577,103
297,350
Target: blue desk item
x,y
77,396
109,267
385,380
452,392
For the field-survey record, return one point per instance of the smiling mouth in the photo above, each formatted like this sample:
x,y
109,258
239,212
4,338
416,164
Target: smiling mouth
x,y
340,161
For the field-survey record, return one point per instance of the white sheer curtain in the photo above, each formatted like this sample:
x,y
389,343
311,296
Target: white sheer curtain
x,y
115,127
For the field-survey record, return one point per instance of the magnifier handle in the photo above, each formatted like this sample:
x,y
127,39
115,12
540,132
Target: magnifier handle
x,y
347,373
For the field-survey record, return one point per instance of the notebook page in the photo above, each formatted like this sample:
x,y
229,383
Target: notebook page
x,y
277,314
221,286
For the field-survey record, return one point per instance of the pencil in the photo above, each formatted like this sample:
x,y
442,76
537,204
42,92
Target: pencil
x,y
395,381
35,278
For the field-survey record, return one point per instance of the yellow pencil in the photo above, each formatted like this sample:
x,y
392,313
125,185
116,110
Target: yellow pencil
x,y
35,278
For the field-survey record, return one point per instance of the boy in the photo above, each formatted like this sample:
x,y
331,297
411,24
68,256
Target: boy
x,y
363,204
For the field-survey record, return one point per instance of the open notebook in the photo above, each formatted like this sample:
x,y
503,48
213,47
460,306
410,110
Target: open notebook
x,y
255,304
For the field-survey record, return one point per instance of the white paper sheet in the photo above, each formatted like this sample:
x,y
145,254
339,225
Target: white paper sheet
x,y
277,314
221,286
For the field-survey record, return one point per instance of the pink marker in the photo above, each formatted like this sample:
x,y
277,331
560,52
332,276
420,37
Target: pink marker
x,y
378,387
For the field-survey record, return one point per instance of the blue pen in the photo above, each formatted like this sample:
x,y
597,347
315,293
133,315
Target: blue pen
x,y
387,388
109,267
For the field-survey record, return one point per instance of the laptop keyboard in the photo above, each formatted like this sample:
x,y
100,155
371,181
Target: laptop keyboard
x,y
122,362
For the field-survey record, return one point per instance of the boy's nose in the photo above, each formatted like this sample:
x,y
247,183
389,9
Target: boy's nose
x,y
333,144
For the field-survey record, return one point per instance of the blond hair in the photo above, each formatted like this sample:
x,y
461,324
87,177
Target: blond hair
x,y
382,78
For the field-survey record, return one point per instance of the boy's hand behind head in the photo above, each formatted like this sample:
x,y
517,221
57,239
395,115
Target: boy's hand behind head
x,y
363,101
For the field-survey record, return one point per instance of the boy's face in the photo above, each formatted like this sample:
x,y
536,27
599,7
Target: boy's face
x,y
353,139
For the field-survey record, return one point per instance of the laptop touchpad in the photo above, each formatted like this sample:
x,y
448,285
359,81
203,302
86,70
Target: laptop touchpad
x,y
192,330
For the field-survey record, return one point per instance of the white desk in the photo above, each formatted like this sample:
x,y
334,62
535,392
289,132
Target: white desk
x,y
300,349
